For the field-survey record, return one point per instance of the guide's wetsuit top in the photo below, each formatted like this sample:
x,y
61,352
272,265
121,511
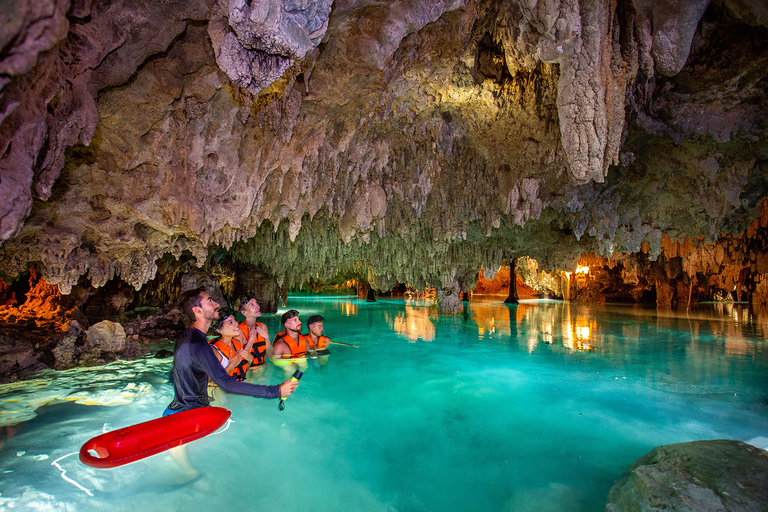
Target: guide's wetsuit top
x,y
193,363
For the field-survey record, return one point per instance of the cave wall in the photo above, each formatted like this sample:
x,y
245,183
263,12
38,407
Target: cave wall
x,y
732,268
409,142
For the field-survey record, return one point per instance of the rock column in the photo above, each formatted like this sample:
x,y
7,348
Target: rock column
x,y
512,299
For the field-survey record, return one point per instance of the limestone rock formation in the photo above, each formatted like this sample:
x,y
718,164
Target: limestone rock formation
x,y
697,476
256,42
108,336
410,142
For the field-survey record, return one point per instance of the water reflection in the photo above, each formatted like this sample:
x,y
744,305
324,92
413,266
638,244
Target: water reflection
x,y
416,323
730,329
349,308
711,350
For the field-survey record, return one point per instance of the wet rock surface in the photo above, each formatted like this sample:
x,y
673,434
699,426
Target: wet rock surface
x,y
409,140
698,476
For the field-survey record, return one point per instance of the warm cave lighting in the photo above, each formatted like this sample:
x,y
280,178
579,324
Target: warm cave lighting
x,y
582,269
577,336
547,335
349,309
492,329
416,324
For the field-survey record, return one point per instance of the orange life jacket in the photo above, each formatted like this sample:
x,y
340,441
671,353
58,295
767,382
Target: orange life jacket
x,y
322,342
298,348
259,348
238,371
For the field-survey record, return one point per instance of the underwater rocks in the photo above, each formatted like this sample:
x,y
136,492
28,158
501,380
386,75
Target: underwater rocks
x,y
696,476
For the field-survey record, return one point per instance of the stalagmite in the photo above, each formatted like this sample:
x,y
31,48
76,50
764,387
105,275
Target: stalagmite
x,y
512,297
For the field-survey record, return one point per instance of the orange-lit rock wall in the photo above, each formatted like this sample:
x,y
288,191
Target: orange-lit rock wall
x,y
531,284
44,306
687,271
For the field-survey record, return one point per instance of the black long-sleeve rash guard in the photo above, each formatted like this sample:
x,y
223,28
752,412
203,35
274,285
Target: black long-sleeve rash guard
x,y
193,363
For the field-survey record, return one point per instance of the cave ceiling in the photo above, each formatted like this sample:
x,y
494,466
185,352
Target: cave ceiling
x,y
407,141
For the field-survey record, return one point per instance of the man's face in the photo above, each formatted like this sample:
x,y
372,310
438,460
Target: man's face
x,y
293,324
208,307
316,329
252,308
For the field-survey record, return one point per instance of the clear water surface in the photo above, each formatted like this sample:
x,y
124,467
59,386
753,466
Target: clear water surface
x,y
535,407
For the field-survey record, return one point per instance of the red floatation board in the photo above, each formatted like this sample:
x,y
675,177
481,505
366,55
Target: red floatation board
x,y
144,439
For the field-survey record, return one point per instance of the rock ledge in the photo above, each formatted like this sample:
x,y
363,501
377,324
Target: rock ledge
x,y
702,476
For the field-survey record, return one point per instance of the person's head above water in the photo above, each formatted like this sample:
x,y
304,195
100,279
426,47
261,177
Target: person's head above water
x,y
197,305
288,315
249,306
291,321
315,325
226,325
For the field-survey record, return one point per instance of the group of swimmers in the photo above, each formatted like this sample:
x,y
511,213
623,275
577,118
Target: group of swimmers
x,y
246,346
239,348
225,360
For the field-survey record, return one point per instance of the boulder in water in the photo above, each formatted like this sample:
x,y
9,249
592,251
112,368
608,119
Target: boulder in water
x,y
108,336
718,475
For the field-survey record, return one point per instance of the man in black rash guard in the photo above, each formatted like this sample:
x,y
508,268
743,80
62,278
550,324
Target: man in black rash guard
x,y
194,361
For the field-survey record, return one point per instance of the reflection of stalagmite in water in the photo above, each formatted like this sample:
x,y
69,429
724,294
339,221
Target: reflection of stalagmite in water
x,y
491,317
512,319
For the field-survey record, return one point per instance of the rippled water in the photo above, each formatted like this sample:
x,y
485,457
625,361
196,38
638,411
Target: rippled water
x,y
534,407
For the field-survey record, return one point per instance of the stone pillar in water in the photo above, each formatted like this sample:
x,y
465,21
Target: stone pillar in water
x,y
512,299
448,301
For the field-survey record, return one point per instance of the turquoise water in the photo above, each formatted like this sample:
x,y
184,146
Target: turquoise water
x,y
535,407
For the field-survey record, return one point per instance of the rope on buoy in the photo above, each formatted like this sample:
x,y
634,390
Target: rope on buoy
x,y
64,474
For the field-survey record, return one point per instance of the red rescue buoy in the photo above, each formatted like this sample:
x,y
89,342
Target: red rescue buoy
x,y
144,439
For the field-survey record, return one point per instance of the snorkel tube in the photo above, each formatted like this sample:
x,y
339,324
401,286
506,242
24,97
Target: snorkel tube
x,y
296,376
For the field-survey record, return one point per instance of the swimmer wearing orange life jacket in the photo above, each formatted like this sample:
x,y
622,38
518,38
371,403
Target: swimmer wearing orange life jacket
x,y
316,339
227,349
290,343
255,335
